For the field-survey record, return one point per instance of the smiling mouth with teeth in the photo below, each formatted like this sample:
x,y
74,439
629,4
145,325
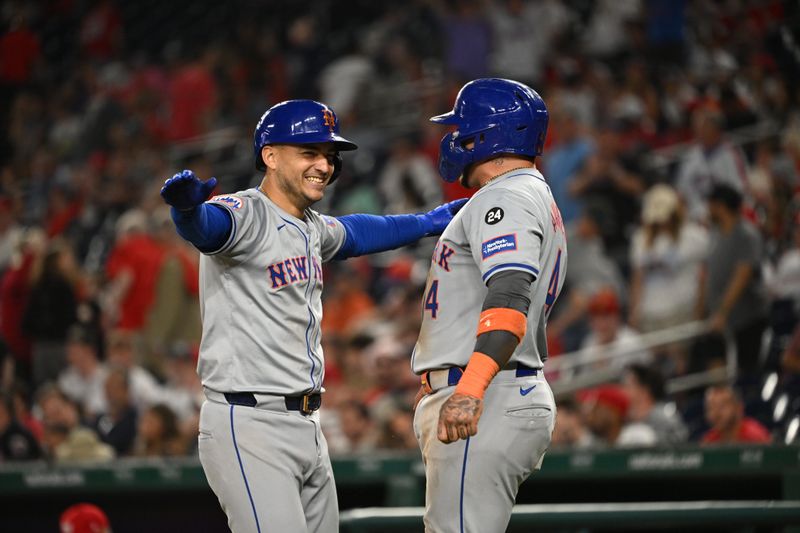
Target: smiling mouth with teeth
x,y
315,179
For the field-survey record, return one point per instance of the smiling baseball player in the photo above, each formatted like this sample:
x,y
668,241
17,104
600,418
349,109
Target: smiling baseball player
x,y
487,416
261,361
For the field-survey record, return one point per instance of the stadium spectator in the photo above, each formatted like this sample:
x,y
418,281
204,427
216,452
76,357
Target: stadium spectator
x,y
570,430
20,52
117,425
351,367
397,429
16,442
408,181
467,38
174,316
611,178
11,232
193,94
645,388
182,388
711,160
82,444
606,409
14,295
158,433
567,156
84,378
784,284
609,334
51,310
520,54
64,438
101,31
145,389
729,425
393,382
732,294
21,401
356,427
347,301
666,255
590,270
132,267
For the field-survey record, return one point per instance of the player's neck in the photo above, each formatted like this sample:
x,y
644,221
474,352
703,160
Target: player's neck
x,y
488,171
281,199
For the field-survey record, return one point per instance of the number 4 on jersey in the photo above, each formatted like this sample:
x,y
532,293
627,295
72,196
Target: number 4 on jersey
x,y
432,299
552,287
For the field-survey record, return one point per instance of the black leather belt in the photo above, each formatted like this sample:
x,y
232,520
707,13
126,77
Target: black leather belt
x,y
305,404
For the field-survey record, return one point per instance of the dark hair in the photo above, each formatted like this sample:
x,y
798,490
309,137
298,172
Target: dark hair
x,y
649,378
727,196
169,421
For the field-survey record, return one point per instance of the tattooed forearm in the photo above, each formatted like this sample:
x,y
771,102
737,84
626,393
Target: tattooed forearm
x,y
460,408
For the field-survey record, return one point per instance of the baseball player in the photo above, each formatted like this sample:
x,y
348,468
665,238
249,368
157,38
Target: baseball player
x,y
487,414
261,362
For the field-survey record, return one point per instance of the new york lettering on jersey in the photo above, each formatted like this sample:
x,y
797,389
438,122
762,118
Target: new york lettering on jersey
x,y
284,278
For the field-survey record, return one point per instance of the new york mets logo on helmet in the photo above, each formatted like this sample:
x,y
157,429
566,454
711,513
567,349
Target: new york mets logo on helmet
x,y
330,119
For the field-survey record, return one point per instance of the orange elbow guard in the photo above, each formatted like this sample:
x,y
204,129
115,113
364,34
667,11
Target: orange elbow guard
x,y
480,371
503,318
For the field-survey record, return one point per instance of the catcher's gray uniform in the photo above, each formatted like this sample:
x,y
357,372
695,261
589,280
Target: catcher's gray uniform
x,y
261,306
512,223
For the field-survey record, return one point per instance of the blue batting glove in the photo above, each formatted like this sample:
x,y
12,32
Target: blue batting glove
x,y
438,218
184,191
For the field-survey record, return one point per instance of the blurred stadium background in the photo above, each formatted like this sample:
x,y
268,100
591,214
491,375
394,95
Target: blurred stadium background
x,y
653,105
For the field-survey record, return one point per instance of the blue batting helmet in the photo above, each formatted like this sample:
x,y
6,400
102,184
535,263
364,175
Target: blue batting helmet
x,y
299,122
499,116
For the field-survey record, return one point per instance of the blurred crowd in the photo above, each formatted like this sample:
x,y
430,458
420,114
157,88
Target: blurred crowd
x,y
673,153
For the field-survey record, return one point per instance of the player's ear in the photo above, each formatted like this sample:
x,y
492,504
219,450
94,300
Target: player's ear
x,y
268,154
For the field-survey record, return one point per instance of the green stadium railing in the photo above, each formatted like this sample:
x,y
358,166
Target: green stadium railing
x,y
597,516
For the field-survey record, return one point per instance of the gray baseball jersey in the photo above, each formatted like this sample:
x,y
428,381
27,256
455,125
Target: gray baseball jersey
x,y
261,298
512,223
261,307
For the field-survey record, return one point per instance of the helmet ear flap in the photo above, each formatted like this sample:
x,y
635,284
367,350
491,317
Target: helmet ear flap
x,y
453,159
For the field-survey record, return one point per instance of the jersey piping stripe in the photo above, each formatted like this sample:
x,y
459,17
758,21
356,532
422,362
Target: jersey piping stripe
x,y
463,475
510,265
241,467
311,319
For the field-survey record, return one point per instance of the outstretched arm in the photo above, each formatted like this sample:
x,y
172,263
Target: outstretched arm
x,y
367,234
206,226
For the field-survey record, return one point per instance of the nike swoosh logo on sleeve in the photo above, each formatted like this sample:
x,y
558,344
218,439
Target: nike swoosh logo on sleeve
x,y
524,392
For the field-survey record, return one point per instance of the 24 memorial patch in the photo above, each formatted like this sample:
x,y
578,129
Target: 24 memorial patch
x,y
494,215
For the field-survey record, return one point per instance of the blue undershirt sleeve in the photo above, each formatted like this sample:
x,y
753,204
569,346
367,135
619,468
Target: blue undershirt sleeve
x,y
207,226
368,234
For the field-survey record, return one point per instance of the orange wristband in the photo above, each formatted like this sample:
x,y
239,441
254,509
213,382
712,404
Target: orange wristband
x,y
503,318
480,371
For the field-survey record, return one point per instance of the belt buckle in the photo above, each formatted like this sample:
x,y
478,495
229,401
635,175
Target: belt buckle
x,y
304,408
